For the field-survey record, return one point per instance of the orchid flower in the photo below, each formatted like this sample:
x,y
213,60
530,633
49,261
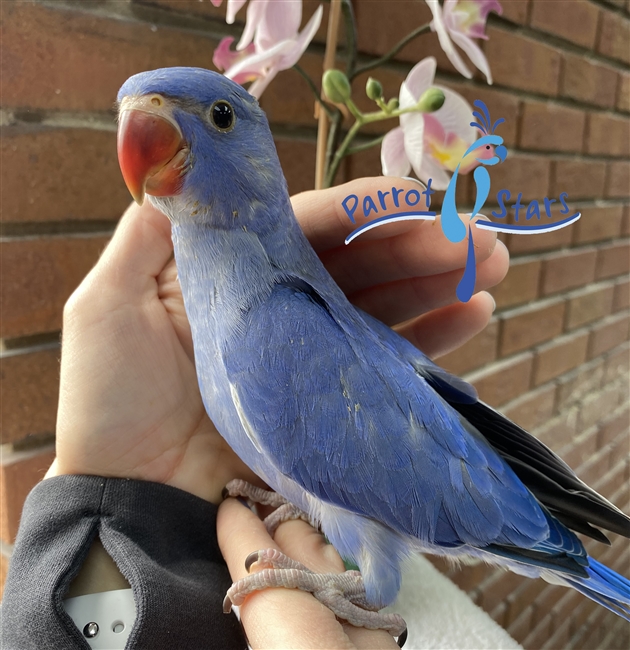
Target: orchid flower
x,y
430,144
461,21
270,42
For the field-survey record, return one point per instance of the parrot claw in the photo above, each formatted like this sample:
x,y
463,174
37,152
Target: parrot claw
x,y
342,593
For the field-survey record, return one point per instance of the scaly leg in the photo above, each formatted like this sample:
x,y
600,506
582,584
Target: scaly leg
x,y
342,593
285,511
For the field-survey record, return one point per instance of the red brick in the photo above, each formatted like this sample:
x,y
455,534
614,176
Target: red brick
x,y
379,31
625,224
608,135
540,633
560,636
618,179
480,350
559,431
199,7
29,386
522,626
289,100
597,223
18,475
530,66
527,326
613,259
573,20
542,609
580,179
596,407
52,55
589,305
609,430
523,174
515,11
520,285
504,380
589,81
520,604
622,295
532,409
297,158
608,334
614,36
582,448
38,276
497,588
550,127
568,269
560,355
578,621
617,364
61,174
582,381
623,92
518,244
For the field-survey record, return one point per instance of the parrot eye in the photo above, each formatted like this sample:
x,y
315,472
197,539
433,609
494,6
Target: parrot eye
x,y
222,115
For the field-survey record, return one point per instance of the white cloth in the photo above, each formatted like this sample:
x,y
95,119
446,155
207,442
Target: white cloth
x,y
440,615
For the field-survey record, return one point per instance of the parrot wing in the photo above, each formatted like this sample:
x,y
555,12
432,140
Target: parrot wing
x,y
344,416
550,479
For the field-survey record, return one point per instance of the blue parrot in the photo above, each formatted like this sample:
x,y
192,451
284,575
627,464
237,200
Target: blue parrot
x,y
386,452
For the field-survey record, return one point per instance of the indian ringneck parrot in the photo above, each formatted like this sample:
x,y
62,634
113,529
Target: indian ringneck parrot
x,y
383,450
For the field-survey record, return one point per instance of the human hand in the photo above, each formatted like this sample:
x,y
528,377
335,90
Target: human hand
x,y
129,401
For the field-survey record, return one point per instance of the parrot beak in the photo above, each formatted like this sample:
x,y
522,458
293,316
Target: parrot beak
x,y
151,150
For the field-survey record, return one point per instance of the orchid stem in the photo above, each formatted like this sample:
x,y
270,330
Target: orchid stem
x,y
351,36
365,145
392,53
313,88
341,152
329,62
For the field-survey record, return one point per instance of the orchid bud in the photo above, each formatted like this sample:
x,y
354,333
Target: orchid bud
x,y
336,86
374,88
431,100
393,104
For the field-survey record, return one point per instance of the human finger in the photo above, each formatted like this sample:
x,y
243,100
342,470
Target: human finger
x,y
138,251
399,301
303,543
326,223
421,251
444,330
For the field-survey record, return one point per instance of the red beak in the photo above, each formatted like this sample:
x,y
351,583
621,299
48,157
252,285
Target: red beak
x,y
151,151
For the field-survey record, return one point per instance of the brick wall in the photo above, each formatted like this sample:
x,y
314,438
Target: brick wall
x,y
555,356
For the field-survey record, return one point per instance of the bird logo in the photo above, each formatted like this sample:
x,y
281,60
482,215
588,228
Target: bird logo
x,y
452,225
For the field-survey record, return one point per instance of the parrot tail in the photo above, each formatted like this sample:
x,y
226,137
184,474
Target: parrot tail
x,y
605,587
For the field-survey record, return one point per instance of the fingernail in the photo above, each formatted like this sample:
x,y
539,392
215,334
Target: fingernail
x,y
494,302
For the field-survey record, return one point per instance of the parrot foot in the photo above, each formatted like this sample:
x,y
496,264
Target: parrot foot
x,y
342,593
240,488
285,512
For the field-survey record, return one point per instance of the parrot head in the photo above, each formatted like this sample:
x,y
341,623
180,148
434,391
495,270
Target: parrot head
x,y
198,144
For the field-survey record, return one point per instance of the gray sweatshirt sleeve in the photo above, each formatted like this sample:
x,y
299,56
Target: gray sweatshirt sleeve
x,y
164,543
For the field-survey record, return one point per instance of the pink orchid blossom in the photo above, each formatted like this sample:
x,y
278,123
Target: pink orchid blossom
x,y
430,144
461,21
270,42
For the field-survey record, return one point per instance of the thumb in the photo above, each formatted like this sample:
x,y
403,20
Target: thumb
x,y
139,250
